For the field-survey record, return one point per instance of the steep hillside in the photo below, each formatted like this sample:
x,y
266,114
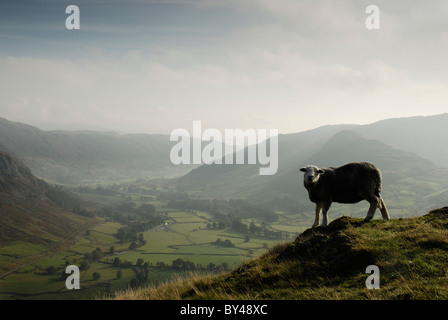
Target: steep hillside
x,y
34,216
330,263
83,156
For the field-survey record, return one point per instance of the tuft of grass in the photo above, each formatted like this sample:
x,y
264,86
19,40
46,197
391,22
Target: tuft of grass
x,y
330,263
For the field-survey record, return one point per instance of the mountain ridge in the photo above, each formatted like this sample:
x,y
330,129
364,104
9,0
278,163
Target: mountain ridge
x,y
407,177
75,157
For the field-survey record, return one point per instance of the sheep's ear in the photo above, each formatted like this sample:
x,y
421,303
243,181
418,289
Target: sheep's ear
x,y
303,169
320,171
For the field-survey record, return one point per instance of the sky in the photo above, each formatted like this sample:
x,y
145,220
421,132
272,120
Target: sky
x,y
148,66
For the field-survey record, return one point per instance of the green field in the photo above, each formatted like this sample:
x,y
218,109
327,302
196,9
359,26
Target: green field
x,y
184,236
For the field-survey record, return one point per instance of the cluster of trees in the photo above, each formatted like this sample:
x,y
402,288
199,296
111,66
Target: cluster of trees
x,y
128,211
53,271
181,264
234,207
111,190
132,233
226,243
235,223
127,264
264,231
137,242
140,279
121,264
95,255
178,264
141,268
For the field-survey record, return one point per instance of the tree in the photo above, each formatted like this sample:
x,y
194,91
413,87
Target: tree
x,y
96,275
133,245
97,254
211,266
177,263
139,262
147,209
117,262
119,274
134,283
51,270
252,227
227,243
84,265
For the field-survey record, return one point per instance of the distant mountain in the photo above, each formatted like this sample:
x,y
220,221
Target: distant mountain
x,y
408,180
84,156
427,136
411,183
243,179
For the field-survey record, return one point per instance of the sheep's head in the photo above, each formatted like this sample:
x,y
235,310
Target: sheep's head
x,y
312,174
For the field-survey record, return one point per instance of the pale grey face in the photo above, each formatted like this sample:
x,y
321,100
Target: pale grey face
x,y
312,174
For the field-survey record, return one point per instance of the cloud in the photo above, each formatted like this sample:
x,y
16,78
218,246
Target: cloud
x,y
159,93
290,65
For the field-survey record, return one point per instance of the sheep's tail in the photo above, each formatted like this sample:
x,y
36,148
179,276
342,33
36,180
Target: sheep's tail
x,y
378,184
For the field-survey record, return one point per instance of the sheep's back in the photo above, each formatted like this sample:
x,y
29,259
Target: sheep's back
x,y
351,183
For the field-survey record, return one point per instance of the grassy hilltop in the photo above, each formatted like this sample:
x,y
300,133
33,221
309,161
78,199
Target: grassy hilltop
x,y
330,263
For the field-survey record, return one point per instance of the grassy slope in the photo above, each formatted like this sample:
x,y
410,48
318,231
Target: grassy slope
x,y
330,263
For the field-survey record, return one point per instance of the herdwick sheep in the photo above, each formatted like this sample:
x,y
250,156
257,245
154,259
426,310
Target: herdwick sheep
x,y
349,183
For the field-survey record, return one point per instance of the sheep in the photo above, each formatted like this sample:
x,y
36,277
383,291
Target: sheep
x,y
349,183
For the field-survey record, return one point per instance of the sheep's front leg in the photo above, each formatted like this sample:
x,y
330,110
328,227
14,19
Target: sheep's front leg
x,y
325,208
317,211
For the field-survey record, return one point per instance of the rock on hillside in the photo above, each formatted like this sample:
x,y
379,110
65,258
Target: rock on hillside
x,y
16,179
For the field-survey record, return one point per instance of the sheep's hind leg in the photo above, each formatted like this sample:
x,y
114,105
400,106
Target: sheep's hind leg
x,y
383,209
317,211
372,209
